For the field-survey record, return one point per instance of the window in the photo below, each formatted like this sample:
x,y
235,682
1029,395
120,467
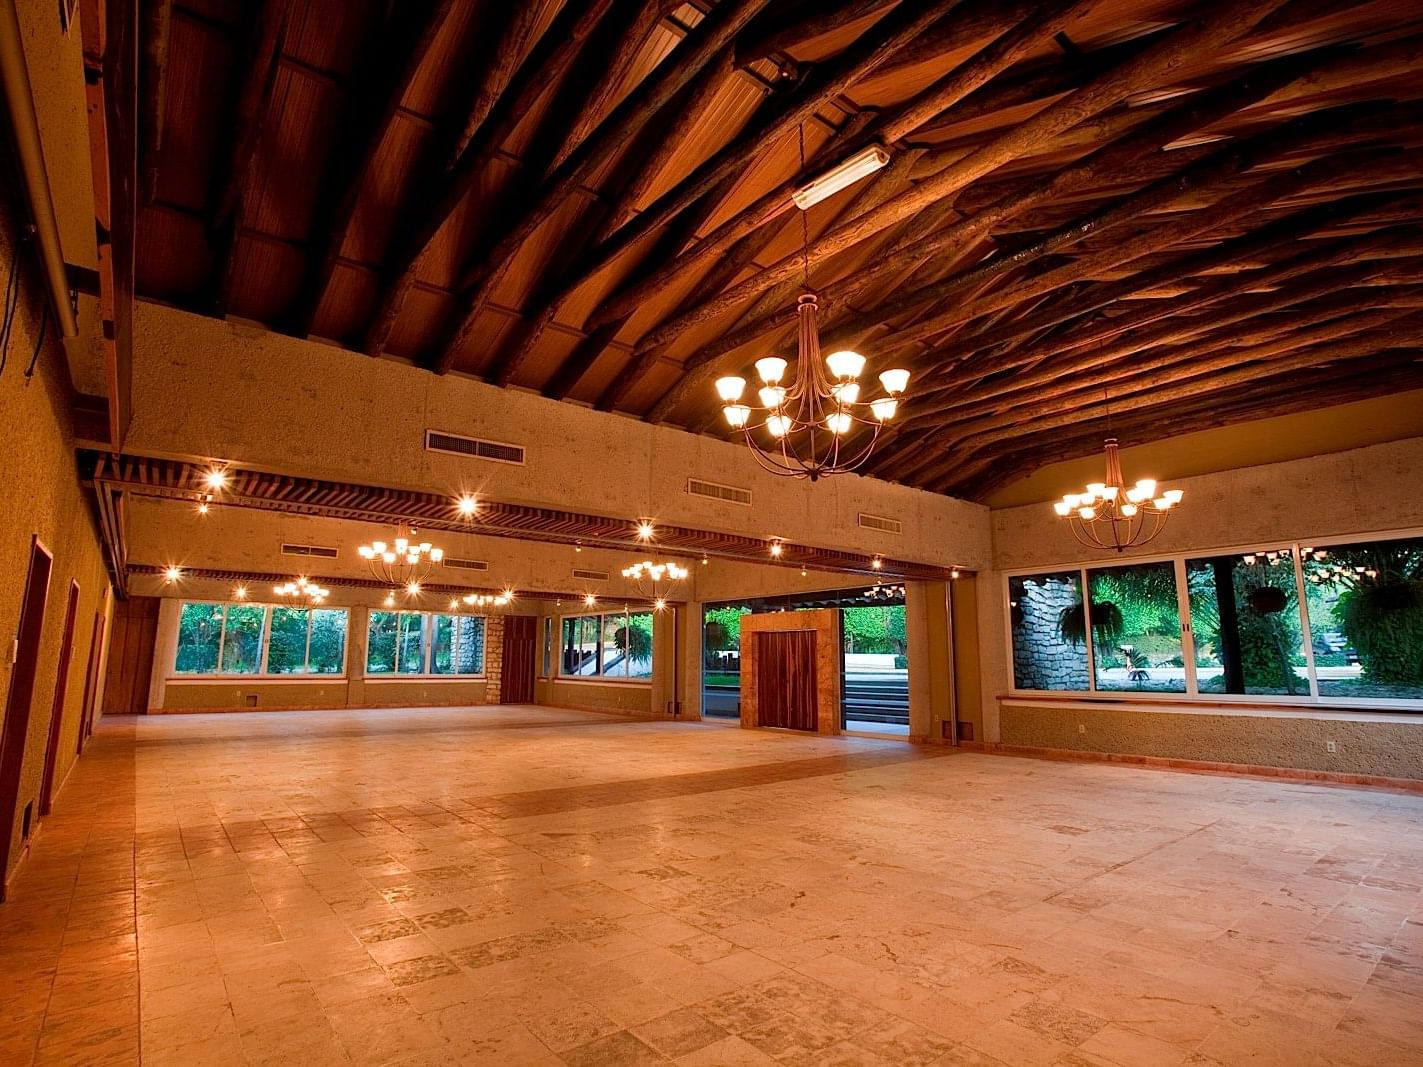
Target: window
x,y
616,646
1365,608
260,639
1329,623
547,671
422,643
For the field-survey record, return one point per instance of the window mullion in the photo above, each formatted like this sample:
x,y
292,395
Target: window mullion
x,y
221,640
1302,602
1084,579
266,635
1188,629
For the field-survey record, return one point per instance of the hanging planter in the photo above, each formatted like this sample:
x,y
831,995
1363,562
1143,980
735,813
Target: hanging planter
x,y
1268,600
1106,624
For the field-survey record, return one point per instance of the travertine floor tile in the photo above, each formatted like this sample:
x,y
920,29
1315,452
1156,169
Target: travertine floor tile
x,y
527,886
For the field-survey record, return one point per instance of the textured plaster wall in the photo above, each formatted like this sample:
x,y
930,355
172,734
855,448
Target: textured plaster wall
x,y
209,388
1366,490
625,698
1363,746
40,494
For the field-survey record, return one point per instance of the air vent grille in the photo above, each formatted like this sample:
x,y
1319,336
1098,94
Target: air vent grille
x,y
880,523
309,550
466,564
716,491
592,576
454,444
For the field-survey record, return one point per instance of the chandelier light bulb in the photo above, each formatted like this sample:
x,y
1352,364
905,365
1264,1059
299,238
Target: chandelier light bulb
x,y
838,422
895,381
845,364
737,415
378,547
845,392
771,369
1062,507
778,425
730,388
772,396
1147,487
401,545
884,408
1128,510
1087,514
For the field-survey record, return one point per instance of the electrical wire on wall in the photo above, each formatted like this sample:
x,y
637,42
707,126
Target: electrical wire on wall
x,y
12,298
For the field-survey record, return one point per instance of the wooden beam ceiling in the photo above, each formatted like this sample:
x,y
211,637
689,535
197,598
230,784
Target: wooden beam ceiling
x,y
592,199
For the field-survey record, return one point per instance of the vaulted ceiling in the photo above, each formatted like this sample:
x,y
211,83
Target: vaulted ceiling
x,y
1206,212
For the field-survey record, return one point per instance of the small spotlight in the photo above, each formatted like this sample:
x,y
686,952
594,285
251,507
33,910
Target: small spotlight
x,y
776,549
389,600
954,573
589,600
413,588
802,572
705,561
172,574
645,531
202,508
877,563
454,604
660,604
467,505
216,478
239,593
578,546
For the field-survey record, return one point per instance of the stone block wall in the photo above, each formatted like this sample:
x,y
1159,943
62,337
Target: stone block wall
x,y
1041,659
493,658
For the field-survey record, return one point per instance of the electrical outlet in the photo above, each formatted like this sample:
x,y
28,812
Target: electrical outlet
x,y
1329,746
1081,728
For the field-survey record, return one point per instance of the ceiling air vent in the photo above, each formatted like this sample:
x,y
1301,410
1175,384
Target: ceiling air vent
x,y
592,576
454,444
716,491
880,523
466,564
309,550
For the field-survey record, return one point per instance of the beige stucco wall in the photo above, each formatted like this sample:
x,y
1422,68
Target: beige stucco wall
x,y
1368,490
40,495
624,698
224,390
1371,745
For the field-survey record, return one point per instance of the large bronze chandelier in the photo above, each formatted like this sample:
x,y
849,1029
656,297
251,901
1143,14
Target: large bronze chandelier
x,y
1108,515
403,561
802,427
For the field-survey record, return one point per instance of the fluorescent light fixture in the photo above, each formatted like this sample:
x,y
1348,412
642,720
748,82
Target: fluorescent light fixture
x,y
843,174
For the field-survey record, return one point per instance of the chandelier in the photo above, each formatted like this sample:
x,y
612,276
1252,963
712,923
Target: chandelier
x,y
1109,516
807,422
484,600
301,589
648,577
403,561
879,592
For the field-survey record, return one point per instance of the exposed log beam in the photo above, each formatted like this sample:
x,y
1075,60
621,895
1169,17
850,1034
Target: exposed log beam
x,y
546,63
153,86
392,57
997,56
632,113
1145,69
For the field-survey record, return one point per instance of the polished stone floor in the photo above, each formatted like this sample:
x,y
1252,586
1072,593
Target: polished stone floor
x,y
530,886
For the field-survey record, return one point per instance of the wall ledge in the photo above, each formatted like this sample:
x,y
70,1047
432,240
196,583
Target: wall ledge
x,y
1243,770
1199,706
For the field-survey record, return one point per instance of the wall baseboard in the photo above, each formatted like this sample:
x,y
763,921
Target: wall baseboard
x,y
1244,770
273,708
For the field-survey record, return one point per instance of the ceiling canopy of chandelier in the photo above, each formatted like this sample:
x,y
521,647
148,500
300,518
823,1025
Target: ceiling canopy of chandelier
x,y
1108,515
403,561
300,589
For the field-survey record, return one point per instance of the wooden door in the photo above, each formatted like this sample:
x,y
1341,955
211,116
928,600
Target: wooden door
x,y
91,682
131,642
61,690
786,679
516,682
21,696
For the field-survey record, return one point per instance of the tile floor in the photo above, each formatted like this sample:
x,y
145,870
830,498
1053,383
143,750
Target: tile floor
x,y
529,886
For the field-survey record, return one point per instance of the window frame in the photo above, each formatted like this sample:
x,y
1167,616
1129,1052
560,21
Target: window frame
x,y
1314,702
427,648
262,673
600,678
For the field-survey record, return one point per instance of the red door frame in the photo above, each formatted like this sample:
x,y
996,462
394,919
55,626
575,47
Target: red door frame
x,y
61,690
22,690
91,683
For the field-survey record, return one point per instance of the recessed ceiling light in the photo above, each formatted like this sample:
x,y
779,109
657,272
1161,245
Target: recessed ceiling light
x,y
589,600
215,478
645,531
172,574
776,549
239,593
467,505
413,588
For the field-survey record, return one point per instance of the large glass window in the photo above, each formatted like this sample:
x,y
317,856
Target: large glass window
x,y
1049,631
1365,606
1136,628
1246,624
415,642
616,645
1333,623
271,639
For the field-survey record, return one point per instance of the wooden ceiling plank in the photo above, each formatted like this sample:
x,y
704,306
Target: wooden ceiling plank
x,y
394,52
632,113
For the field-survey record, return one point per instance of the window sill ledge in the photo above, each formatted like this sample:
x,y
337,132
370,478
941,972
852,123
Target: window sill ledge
x,y
380,679
1204,706
254,679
